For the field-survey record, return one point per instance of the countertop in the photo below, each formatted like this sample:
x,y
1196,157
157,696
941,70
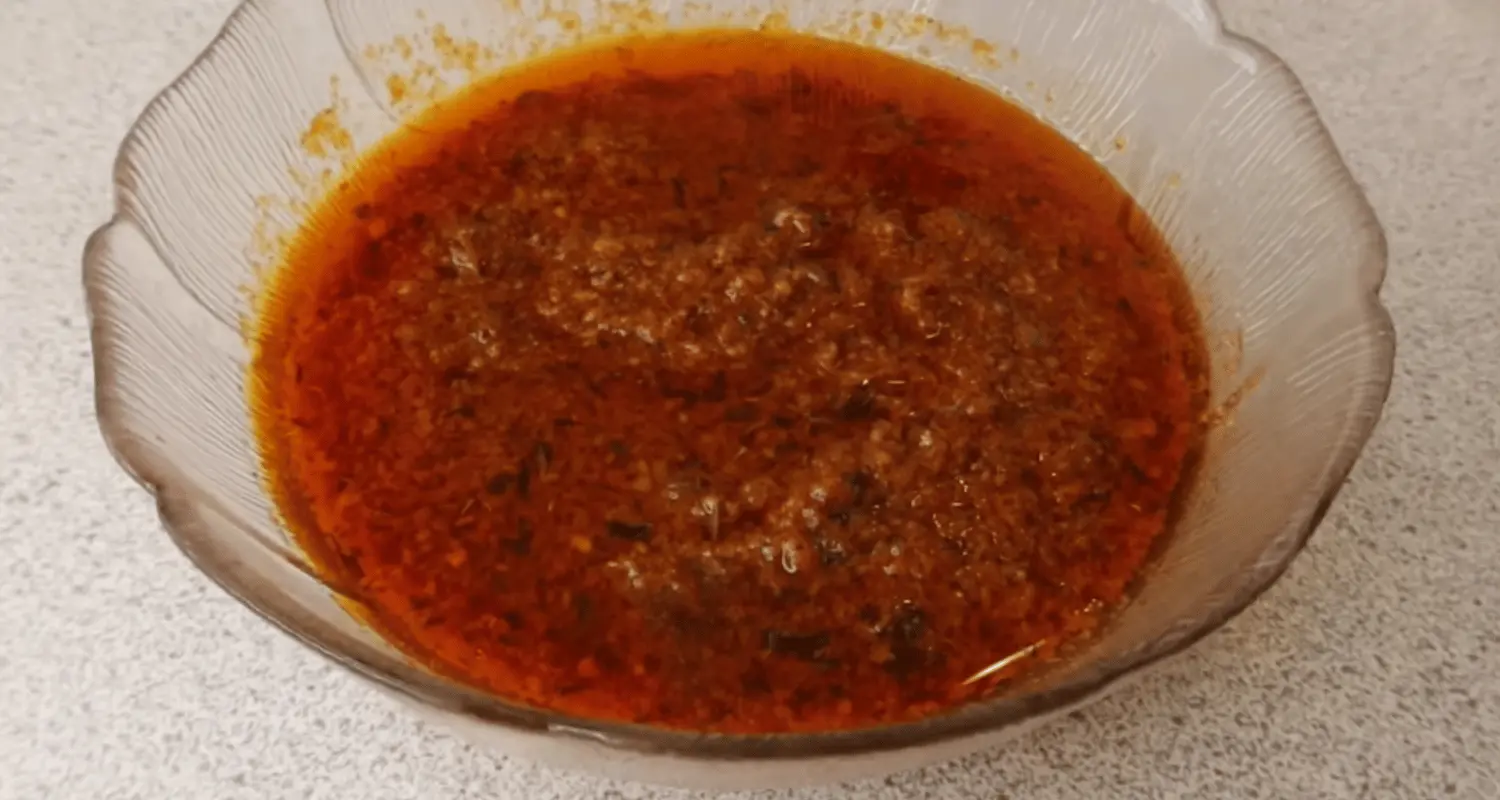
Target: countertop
x,y
1372,670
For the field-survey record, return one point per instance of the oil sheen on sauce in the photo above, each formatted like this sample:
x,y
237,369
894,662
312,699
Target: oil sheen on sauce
x,y
731,382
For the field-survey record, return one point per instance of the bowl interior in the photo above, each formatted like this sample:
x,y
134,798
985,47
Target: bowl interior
x,y
1212,136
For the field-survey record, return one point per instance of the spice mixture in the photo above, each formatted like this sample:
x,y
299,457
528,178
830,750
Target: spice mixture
x,y
730,382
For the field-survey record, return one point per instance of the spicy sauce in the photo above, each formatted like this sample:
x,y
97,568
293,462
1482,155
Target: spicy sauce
x,y
730,382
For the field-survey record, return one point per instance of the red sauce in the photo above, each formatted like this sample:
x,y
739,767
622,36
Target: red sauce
x,y
730,382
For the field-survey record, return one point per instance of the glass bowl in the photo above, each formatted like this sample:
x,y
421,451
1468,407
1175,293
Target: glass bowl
x,y
1211,134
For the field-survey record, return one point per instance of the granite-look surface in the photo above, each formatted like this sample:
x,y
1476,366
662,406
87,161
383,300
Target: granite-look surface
x,y
1372,670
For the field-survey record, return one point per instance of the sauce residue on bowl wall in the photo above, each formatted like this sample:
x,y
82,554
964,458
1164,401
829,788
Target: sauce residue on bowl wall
x,y
729,381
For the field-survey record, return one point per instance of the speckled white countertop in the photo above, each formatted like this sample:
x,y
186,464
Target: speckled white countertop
x,y
1371,671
